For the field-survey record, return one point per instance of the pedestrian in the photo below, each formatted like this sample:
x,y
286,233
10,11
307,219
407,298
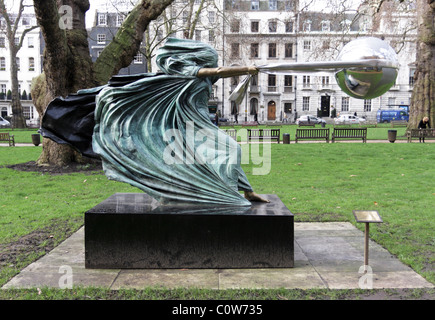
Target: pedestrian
x,y
423,124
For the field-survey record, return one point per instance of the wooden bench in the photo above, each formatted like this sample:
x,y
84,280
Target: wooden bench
x,y
261,134
5,136
349,133
312,134
232,133
420,133
306,124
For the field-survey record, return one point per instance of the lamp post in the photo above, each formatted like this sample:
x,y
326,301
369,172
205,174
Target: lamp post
x,y
367,217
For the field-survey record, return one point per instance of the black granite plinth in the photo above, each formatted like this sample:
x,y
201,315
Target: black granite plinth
x,y
135,231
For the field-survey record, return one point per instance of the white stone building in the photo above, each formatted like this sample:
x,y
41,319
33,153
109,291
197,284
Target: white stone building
x,y
29,64
251,32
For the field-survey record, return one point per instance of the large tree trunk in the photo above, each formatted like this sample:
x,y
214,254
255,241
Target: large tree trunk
x,y
423,96
67,65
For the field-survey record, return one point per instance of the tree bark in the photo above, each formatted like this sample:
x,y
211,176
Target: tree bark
x,y
67,65
423,95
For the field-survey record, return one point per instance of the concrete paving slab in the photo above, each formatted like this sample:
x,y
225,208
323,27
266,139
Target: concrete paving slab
x,y
327,255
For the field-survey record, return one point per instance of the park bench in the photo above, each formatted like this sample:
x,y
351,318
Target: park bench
x,y
399,123
420,133
306,124
261,134
232,133
312,134
349,133
5,136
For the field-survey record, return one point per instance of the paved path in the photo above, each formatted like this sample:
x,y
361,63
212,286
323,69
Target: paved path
x,y
327,255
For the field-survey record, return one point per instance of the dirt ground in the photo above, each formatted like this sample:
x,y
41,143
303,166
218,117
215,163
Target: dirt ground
x,y
42,241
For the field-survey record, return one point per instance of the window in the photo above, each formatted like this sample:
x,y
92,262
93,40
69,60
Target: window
x,y
254,106
3,89
288,83
306,27
138,59
120,19
17,41
255,5
273,5
31,64
326,26
211,16
288,49
25,21
102,19
272,50
391,101
272,26
28,112
345,104
255,26
305,103
306,81
198,35
325,81
307,45
2,64
101,39
271,82
235,26
30,42
185,16
411,77
2,42
211,36
367,105
18,63
289,26
345,25
235,50
254,50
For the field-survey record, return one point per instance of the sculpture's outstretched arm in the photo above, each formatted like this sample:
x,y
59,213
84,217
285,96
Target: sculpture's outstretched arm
x,y
226,72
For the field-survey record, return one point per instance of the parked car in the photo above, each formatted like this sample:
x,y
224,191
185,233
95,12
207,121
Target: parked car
x,y
311,119
347,118
4,122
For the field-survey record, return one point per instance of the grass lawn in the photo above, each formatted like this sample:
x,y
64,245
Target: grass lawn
x,y
317,182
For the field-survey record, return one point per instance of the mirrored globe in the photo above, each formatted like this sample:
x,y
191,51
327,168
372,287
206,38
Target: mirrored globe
x,y
371,81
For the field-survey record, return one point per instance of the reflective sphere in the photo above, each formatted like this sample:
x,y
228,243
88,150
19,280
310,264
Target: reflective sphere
x,y
367,82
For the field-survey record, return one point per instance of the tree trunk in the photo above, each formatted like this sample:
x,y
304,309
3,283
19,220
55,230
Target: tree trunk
x,y
18,120
67,65
423,95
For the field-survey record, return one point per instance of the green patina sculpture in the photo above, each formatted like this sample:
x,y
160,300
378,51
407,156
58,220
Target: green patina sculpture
x,y
156,135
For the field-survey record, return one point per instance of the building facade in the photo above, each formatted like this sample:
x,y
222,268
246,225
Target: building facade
x,y
249,32
29,66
